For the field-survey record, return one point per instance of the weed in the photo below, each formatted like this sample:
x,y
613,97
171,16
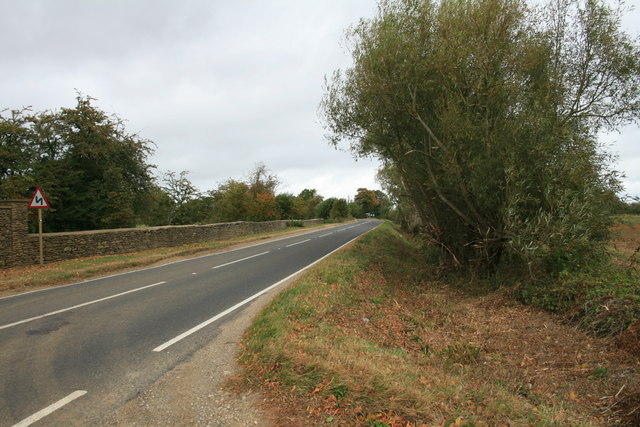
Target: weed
x,y
339,391
462,353
598,372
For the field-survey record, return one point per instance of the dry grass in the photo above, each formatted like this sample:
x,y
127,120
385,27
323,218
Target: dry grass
x,y
368,339
626,240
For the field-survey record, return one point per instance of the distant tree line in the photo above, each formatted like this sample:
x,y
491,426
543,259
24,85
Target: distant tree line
x,y
97,176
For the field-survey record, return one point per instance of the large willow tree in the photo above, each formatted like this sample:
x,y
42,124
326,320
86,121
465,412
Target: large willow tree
x,y
488,112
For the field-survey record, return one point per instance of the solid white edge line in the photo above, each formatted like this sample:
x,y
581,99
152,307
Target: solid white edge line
x,y
251,298
50,409
239,260
78,306
297,243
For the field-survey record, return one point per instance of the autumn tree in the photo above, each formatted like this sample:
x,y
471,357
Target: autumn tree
x,y
231,201
486,113
307,202
253,199
368,201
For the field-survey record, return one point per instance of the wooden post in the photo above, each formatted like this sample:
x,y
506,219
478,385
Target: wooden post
x,y
40,237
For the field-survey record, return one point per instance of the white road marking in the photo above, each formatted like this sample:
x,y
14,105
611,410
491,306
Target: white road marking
x,y
251,298
50,409
324,235
154,267
78,306
297,243
239,260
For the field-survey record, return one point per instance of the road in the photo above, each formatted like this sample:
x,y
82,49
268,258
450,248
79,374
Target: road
x,y
72,354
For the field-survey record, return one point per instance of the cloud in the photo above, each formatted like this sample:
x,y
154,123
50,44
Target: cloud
x,y
218,86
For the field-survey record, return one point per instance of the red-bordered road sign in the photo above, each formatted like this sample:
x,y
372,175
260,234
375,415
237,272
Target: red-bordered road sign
x,y
38,201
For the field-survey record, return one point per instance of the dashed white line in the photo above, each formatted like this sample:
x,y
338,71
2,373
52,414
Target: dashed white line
x,y
297,243
50,409
324,235
239,260
78,306
251,298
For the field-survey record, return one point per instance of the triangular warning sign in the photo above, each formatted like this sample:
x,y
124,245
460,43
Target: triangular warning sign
x,y
38,200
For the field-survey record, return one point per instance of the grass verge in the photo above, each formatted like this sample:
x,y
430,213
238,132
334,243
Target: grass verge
x,y
369,337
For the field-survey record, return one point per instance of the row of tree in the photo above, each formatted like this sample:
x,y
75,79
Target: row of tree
x,y
255,198
97,176
486,114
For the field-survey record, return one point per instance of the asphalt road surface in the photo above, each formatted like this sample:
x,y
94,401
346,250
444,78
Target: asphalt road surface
x,y
71,355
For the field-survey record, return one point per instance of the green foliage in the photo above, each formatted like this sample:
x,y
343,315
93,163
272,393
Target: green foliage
x,y
368,201
231,201
486,116
180,192
339,391
339,210
323,209
250,200
94,173
307,202
287,206
16,153
598,372
462,353
604,298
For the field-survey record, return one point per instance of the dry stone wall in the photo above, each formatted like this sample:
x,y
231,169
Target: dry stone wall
x,y
18,247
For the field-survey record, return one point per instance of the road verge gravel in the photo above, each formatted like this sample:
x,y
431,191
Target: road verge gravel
x,y
193,392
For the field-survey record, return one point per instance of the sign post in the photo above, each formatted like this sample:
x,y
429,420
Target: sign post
x,y
38,201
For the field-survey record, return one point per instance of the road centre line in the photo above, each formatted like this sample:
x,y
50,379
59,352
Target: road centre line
x,y
239,260
324,235
156,266
78,306
251,298
297,243
50,409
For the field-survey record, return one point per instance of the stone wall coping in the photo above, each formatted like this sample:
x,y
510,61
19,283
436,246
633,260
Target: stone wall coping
x,y
3,201
19,247
163,227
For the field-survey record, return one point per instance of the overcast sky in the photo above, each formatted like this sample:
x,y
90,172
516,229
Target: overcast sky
x,y
218,86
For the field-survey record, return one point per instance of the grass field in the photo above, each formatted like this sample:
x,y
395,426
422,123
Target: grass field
x,y
370,337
